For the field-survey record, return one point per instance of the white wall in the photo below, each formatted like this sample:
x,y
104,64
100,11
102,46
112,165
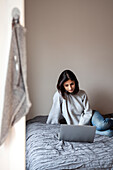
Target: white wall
x,y
70,34
12,152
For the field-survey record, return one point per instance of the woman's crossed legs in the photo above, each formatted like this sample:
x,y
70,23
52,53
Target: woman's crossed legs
x,y
103,125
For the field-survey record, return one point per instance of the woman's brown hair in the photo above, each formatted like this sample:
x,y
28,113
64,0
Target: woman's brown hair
x,y
65,76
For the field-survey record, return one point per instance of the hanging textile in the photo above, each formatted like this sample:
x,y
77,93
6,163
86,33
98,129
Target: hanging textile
x,y
16,99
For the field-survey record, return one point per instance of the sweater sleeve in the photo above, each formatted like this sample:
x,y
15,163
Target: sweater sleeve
x,y
55,112
87,113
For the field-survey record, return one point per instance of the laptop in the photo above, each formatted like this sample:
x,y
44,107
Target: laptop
x,y
77,133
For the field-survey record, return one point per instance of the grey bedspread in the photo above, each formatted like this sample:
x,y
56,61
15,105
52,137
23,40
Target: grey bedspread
x,y
45,152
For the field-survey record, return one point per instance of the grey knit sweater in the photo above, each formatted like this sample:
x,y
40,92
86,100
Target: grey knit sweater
x,y
75,109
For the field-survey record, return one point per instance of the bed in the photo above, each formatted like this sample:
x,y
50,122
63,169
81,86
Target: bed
x,y
45,152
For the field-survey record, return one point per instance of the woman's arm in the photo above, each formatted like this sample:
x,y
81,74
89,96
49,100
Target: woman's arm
x,y
87,114
55,112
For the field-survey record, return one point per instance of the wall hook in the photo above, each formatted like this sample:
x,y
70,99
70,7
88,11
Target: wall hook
x,y
15,16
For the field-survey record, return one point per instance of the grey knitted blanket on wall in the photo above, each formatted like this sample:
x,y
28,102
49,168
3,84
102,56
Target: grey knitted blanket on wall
x,y
16,99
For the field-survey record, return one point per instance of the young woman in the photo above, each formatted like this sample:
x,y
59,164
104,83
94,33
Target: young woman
x,y
72,104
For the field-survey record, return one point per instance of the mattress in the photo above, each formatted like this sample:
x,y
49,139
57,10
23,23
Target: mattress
x,y
44,151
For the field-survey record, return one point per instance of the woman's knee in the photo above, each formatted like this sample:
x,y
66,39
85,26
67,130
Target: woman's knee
x,y
99,126
97,120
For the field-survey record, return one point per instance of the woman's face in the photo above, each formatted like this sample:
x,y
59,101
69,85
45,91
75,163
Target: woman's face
x,y
69,86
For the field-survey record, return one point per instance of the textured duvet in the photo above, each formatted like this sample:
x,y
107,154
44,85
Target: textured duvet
x,y
45,152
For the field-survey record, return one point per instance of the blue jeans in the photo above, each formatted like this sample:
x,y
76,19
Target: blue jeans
x,y
103,125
